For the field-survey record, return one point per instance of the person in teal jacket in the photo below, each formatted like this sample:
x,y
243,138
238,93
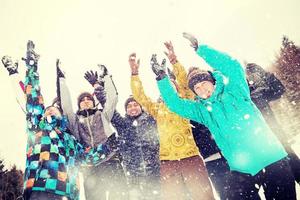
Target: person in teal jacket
x,y
224,105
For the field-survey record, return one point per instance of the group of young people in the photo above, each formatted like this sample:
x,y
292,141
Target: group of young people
x,y
209,129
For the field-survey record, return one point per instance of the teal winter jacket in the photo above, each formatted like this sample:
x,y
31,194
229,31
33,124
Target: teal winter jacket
x,y
239,129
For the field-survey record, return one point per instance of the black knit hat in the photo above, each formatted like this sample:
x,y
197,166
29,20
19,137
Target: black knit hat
x,y
195,75
130,99
82,96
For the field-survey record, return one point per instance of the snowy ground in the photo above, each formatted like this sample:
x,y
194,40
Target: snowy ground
x,y
295,146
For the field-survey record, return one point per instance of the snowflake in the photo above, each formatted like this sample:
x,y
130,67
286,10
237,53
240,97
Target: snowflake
x,y
247,116
209,108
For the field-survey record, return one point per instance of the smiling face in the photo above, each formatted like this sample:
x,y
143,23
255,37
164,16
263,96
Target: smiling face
x,y
204,89
133,109
86,103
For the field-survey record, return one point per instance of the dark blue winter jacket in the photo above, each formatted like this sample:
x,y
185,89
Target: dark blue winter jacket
x,y
139,146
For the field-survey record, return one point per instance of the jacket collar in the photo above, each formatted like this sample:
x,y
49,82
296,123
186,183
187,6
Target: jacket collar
x,y
88,112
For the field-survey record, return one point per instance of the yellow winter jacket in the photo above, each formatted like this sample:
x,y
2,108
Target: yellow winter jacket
x,y
176,138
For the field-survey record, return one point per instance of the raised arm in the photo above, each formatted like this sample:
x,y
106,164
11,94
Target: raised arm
x,y
183,107
105,91
188,109
64,97
34,99
219,61
15,79
138,90
179,73
111,96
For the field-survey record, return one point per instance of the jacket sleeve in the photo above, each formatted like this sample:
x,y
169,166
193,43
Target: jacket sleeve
x,y
140,96
18,87
111,97
66,104
118,121
222,62
34,100
275,88
185,108
181,78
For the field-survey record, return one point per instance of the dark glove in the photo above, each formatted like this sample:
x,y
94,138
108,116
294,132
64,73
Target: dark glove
x,y
31,57
159,70
192,39
91,77
112,142
100,95
171,74
59,73
11,67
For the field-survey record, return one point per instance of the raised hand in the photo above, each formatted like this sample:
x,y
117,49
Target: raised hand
x,y
158,69
192,39
170,54
91,77
31,57
12,67
134,65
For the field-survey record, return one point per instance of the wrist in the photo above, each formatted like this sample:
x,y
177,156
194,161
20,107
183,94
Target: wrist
x,y
134,73
173,61
161,75
12,72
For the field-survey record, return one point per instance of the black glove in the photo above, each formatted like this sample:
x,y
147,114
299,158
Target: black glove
x,y
159,70
91,77
59,73
11,67
112,142
31,57
100,95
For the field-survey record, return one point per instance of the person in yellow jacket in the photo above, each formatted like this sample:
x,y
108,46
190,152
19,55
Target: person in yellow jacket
x,y
183,173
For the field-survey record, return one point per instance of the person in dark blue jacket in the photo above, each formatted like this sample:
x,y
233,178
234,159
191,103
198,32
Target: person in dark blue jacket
x,y
139,147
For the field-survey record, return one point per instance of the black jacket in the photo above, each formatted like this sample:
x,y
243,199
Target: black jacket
x,y
139,146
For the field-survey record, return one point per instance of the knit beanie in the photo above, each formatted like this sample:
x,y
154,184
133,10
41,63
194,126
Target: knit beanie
x,y
82,96
196,75
130,99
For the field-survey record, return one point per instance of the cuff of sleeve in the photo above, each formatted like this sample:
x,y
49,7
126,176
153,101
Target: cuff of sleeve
x,y
161,76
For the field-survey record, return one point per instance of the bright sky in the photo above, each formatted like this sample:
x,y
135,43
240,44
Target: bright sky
x,y
84,33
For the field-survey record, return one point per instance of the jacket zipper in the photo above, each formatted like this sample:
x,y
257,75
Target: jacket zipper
x,y
89,129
